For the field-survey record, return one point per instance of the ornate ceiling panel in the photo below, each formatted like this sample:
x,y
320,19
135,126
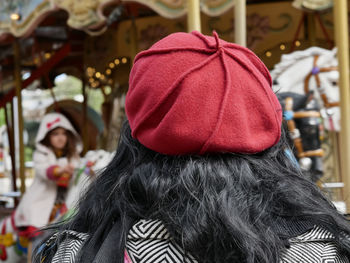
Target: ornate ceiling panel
x,y
216,7
177,8
88,15
30,13
313,5
165,8
84,15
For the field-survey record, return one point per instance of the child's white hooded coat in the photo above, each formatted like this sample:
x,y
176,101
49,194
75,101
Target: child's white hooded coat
x,y
38,201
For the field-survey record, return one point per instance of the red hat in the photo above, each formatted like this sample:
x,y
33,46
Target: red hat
x,y
195,94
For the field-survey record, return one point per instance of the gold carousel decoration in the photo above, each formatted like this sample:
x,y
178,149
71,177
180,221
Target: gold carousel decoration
x,y
20,17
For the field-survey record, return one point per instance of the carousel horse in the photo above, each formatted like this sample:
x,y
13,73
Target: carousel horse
x,y
314,69
14,242
302,116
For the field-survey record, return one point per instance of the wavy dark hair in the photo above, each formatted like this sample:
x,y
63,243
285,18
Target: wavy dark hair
x,y
219,207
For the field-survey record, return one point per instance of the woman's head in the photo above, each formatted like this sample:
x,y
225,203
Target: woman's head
x,y
204,155
195,94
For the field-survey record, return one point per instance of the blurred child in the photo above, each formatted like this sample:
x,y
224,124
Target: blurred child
x,y
57,154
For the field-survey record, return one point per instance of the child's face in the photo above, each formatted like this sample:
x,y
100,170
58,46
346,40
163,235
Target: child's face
x,y
58,138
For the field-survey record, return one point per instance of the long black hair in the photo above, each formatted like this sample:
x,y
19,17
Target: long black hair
x,y
219,207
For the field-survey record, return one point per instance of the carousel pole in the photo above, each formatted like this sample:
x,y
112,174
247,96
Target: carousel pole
x,y
84,126
240,22
9,126
311,28
18,83
134,40
342,41
85,117
193,15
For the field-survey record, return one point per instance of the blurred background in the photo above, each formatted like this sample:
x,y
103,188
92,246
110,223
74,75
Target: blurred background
x,y
75,57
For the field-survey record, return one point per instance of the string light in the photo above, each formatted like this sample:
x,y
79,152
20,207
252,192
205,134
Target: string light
x,y
90,71
108,90
282,47
94,75
47,55
297,43
15,16
268,54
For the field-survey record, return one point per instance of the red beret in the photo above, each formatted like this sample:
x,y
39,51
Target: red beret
x,y
195,94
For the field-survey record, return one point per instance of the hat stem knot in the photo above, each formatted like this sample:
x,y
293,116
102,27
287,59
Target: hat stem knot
x,y
216,40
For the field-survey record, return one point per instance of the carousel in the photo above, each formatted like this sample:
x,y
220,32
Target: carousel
x,y
304,43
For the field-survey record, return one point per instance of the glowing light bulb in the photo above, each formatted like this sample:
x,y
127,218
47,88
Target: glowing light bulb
x,y
15,16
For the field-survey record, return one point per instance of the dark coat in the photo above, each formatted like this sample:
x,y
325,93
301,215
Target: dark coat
x,y
149,242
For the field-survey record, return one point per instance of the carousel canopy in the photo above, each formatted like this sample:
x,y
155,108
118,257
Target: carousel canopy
x,y
20,17
51,33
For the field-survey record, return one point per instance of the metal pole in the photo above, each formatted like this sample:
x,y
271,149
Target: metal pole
x,y
18,83
85,126
85,117
311,29
9,126
342,41
193,15
134,40
240,22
